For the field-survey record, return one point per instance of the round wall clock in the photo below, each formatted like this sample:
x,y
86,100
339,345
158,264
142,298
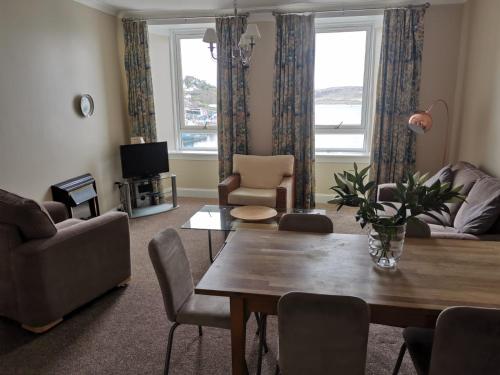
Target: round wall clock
x,y
87,105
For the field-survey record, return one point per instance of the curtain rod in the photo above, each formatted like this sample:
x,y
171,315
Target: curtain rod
x,y
275,12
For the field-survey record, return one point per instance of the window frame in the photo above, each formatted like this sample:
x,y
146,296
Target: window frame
x,y
368,24
177,34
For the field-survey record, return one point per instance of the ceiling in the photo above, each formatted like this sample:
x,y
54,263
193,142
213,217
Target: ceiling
x,y
130,7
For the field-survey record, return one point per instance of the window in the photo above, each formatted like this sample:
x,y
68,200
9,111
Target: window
x,y
196,91
344,95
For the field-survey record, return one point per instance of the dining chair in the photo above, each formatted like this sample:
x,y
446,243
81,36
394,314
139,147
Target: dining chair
x,y
322,334
298,222
182,306
466,341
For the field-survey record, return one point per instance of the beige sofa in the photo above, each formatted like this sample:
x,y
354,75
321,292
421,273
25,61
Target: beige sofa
x,y
50,265
476,219
259,180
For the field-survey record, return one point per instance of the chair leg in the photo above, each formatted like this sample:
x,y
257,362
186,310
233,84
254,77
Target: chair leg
x,y
277,370
257,319
400,359
200,331
169,347
262,342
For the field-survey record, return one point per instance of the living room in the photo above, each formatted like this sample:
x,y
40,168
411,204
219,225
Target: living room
x,y
82,78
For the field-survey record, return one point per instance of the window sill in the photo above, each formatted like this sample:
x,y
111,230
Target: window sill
x,y
343,157
193,155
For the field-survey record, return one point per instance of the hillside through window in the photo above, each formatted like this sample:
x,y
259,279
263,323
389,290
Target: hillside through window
x,y
198,95
343,96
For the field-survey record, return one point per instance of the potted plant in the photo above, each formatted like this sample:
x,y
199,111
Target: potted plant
x,y
388,219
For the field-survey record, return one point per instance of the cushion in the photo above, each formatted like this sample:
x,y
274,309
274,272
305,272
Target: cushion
x,y
465,175
68,223
482,208
262,172
443,175
252,197
32,219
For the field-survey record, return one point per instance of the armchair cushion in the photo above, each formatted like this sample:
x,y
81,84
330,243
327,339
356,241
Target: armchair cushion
x,y
31,218
262,172
244,196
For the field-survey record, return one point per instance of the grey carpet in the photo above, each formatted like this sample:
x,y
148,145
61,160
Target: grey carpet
x,y
125,331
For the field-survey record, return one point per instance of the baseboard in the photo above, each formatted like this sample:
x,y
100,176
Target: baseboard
x,y
322,198
197,193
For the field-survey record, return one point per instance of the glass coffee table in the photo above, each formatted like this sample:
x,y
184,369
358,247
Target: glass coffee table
x,y
218,218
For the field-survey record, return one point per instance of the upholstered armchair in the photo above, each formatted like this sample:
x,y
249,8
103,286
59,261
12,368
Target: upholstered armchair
x,y
50,265
259,180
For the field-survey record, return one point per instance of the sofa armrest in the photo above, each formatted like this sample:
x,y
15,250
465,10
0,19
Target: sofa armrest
x,y
55,275
284,193
57,211
386,192
228,185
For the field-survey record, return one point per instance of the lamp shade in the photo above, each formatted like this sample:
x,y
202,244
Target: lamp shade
x,y
210,36
252,31
420,122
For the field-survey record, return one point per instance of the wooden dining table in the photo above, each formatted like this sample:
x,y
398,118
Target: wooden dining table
x,y
257,267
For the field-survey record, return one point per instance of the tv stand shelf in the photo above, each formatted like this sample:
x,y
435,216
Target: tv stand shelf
x,y
150,195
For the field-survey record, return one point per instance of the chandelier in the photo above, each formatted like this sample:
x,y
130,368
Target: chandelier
x,y
242,51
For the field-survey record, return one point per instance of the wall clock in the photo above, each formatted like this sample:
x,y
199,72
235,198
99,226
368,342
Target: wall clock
x,y
86,105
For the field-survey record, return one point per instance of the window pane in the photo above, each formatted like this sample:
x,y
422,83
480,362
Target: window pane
x,y
199,140
199,81
347,142
339,76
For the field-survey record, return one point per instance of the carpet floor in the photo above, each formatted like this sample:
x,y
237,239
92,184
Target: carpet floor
x,y
125,330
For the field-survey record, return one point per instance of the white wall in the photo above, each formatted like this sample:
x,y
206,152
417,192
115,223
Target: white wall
x,y
478,138
51,52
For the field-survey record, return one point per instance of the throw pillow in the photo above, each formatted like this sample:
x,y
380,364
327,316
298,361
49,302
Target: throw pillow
x,y
444,175
481,209
32,219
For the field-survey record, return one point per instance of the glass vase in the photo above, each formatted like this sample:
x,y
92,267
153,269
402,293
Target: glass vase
x,y
386,244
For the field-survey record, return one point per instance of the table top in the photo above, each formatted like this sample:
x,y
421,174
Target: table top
x,y
432,274
214,217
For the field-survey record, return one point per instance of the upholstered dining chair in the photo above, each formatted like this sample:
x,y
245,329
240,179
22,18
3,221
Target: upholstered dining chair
x,y
182,306
322,334
466,341
298,222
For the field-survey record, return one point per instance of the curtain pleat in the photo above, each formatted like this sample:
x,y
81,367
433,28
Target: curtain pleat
x,y
232,94
293,107
393,145
140,85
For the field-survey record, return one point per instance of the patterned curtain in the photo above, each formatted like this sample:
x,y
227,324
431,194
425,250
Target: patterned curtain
x,y
393,147
232,94
140,86
293,107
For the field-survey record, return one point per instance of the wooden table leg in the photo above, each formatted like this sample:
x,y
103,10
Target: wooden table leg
x,y
238,336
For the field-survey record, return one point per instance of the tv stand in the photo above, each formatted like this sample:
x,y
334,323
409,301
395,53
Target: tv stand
x,y
149,195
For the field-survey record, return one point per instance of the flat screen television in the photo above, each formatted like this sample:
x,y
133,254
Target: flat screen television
x,y
144,159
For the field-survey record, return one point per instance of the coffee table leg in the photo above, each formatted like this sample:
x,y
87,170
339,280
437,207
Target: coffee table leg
x,y
238,336
210,246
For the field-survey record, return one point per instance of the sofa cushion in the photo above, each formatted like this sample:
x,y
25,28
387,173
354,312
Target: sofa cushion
x,y
32,219
481,209
262,172
253,197
444,175
465,175
450,233
68,223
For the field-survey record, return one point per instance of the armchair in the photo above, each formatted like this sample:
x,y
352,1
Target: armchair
x,y
50,265
259,180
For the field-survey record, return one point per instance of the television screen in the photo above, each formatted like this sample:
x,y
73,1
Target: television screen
x,y
144,159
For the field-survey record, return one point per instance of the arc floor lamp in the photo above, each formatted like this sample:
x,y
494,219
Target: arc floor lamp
x,y
421,122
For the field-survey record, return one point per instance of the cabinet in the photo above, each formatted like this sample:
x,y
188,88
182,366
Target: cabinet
x,y
149,196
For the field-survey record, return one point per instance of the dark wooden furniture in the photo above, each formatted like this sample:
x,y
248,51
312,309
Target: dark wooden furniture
x,y
77,191
256,268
